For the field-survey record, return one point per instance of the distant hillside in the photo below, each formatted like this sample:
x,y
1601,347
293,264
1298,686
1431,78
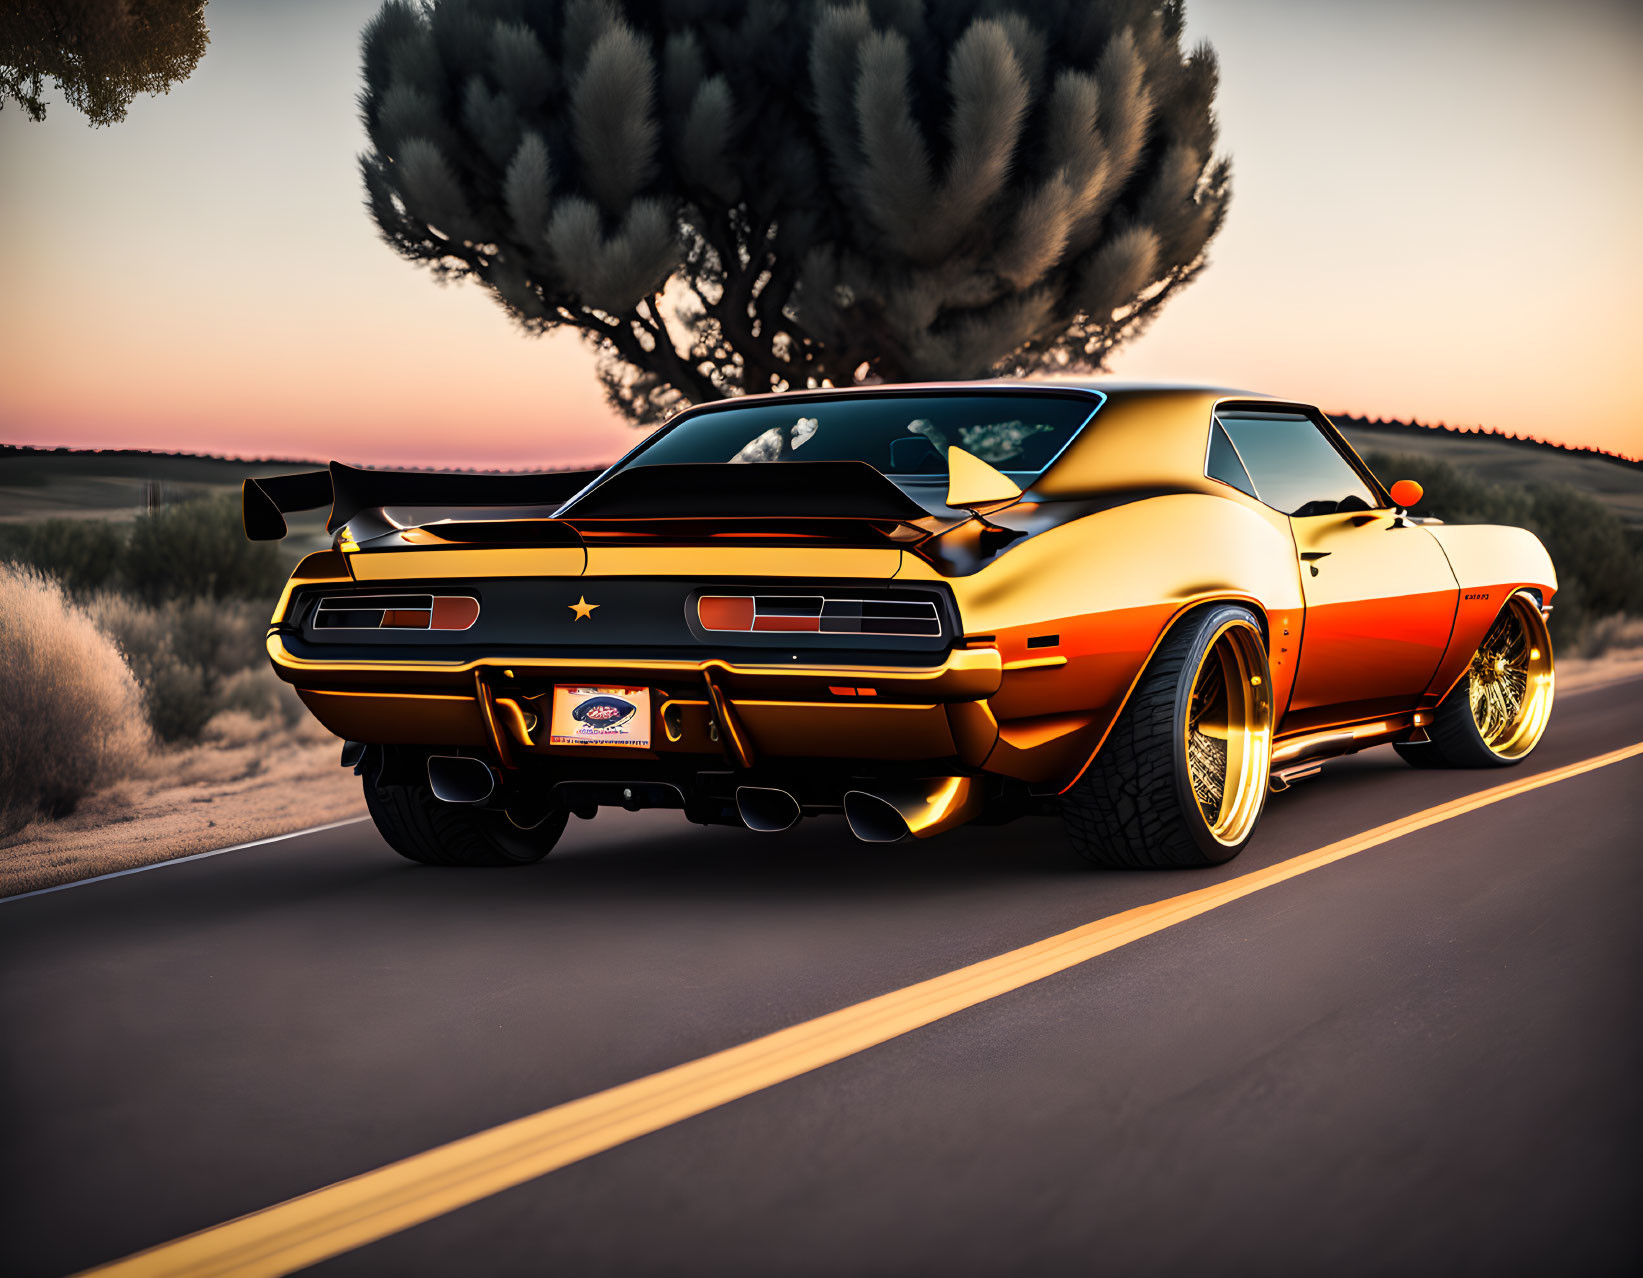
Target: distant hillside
x,y
117,483
1346,421
1614,480
42,483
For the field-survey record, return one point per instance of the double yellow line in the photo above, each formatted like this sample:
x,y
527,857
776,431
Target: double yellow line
x,y
375,1204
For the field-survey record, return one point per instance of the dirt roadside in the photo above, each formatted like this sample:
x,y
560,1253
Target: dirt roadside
x,y
247,780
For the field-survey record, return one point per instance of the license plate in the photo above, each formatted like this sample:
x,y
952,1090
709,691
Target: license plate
x,y
584,716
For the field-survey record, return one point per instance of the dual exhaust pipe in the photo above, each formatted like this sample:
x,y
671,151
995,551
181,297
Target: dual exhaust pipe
x,y
909,809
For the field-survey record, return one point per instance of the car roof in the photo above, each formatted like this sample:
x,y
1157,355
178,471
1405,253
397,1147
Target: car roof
x,y
1109,386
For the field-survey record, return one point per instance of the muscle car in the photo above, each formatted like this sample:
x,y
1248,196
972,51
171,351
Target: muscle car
x,y
1145,607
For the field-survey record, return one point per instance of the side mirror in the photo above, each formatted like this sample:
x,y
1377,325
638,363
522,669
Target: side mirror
x,y
1405,493
972,483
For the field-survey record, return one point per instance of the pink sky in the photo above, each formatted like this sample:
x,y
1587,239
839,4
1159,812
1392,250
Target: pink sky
x,y
1434,215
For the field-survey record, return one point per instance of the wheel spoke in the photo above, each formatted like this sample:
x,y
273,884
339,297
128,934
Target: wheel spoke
x,y
1499,676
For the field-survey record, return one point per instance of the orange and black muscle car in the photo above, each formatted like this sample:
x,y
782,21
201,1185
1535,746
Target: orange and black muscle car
x,y
914,606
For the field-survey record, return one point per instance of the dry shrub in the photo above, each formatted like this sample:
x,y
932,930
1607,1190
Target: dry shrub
x,y
261,693
71,714
233,728
186,654
1619,633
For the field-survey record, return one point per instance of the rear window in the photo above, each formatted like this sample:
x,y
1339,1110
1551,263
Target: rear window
x,y
904,436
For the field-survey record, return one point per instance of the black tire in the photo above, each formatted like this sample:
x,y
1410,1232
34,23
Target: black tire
x,y
1454,738
1134,808
427,830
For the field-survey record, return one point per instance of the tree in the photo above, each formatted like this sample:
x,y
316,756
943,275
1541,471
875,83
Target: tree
x,y
755,195
101,53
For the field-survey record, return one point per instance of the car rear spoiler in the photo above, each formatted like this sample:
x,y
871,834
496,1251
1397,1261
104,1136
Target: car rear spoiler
x,y
723,490
348,490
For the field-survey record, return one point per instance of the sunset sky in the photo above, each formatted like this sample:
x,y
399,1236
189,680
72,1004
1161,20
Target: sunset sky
x,y
1436,214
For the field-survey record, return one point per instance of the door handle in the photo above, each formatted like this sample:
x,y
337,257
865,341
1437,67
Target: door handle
x,y
1311,556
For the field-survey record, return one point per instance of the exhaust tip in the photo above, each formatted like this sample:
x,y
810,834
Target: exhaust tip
x,y
455,779
769,811
872,819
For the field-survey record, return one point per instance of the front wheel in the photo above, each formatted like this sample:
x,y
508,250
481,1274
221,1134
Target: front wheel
x,y
430,831
1182,777
1498,711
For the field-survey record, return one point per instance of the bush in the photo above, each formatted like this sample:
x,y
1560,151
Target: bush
x,y
199,549
262,694
182,652
185,550
1618,633
1598,568
71,714
83,554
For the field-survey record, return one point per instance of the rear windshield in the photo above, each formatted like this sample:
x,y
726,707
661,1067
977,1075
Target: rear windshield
x,y
904,436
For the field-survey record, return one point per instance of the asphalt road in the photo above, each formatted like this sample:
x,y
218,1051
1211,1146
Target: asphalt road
x,y
1426,1058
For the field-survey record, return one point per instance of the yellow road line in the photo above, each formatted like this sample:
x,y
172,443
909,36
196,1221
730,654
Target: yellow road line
x,y
375,1204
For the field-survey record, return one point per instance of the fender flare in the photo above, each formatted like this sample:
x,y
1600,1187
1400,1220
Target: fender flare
x,y
1181,614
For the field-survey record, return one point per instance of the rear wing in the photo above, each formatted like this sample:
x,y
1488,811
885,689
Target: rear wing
x,y
725,490
348,490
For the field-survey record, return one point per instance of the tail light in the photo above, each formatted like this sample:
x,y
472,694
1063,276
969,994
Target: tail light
x,y
396,612
819,614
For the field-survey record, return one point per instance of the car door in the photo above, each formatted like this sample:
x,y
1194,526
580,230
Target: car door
x,y
1380,596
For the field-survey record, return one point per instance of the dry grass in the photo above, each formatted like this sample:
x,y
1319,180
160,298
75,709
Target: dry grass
x,y
71,714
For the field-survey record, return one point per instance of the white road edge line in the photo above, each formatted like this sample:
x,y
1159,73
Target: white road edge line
x,y
178,860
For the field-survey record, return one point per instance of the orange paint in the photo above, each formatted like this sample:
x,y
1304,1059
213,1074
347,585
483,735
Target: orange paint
x,y
1357,654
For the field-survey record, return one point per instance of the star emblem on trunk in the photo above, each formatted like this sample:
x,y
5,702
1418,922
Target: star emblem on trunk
x,y
582,608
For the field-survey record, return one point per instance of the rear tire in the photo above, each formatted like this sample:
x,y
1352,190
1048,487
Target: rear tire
x,y
1495,716
1182,778
427,830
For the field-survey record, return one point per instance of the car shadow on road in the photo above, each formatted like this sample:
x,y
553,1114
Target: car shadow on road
x,y
661,853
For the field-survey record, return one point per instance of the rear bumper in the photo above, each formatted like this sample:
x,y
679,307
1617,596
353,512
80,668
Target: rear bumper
x,y
766,712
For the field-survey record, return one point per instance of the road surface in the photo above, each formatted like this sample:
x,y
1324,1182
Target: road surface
x,y
1423,1058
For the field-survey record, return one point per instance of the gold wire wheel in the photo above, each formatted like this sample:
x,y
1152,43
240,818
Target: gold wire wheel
x,y
1509,683
1229,732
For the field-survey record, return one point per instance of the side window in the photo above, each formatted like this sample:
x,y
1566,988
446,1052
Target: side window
x,y
1223,461
1292,464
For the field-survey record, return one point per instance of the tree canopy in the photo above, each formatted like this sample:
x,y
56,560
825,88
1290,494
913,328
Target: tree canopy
x,y
756,195
101,53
